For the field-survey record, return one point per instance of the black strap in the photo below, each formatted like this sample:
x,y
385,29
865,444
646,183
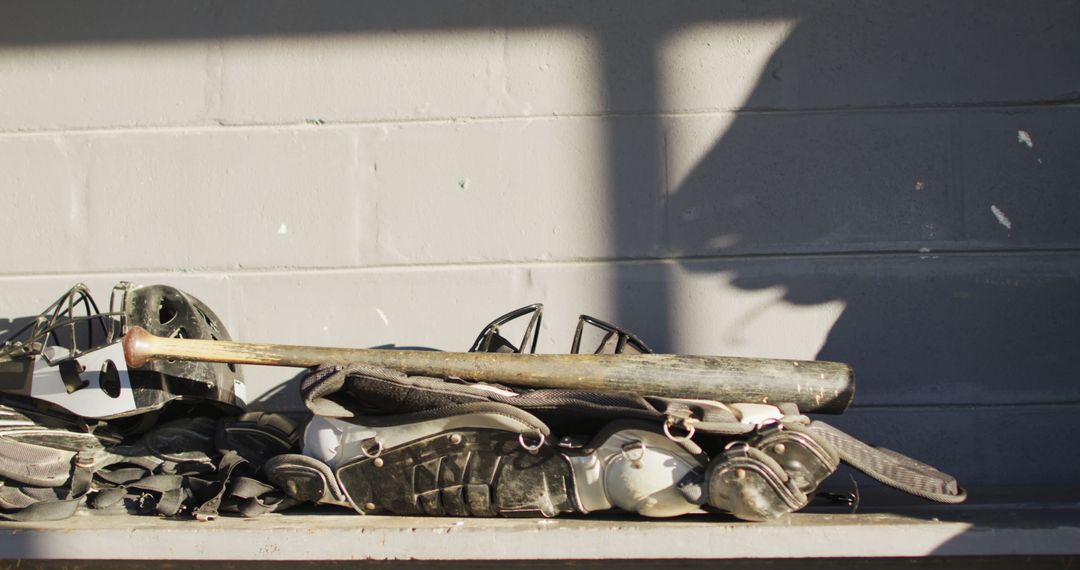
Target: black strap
x,y
44,511
891,468
173,470
34,464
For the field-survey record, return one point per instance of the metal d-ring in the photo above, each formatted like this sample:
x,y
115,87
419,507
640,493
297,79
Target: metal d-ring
x,y
371,454
531,448
768,424
738,445
690,430
634,452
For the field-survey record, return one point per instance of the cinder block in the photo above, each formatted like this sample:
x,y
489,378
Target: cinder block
x,y
78,65
1021,177
859,54
42,198
514,191
820,182
188,200
380,74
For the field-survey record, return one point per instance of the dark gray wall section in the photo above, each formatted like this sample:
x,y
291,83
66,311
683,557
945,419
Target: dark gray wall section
x,y
818,182
1037,186
882,53
920,330
879,181
985,446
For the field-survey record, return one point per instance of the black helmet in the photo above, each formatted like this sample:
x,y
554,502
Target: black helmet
x,y
71,355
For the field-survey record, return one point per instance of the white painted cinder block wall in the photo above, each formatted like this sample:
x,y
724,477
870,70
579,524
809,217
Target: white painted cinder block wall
x,y
888,184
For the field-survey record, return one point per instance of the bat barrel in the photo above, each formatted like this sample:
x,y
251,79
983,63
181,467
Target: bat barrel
x,y
815,386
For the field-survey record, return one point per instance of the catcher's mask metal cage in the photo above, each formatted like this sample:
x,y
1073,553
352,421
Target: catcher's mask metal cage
x,y
613,340
70,355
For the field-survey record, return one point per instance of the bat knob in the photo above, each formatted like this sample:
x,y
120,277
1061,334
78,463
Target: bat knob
x,y
137,347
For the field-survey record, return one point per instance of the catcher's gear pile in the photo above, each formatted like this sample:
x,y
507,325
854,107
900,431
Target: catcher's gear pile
x,y
385,442
80,430
382,442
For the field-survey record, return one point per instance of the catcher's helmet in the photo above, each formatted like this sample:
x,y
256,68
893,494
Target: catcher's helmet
x,y
71,355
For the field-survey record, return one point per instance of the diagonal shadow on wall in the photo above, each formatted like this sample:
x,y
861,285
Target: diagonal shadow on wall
x,y
870,165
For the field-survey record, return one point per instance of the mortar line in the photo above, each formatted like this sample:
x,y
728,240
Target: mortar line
x,y
316,123
988,406
227,271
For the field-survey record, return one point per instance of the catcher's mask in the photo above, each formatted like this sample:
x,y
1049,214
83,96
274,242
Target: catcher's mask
x,y
608,338
71,355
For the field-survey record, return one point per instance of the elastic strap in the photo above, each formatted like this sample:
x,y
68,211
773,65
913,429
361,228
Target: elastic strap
x,y
891,468
44,511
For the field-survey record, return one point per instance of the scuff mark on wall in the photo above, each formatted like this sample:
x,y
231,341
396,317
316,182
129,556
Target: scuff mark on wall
x,y
72,151
1001,217
214,86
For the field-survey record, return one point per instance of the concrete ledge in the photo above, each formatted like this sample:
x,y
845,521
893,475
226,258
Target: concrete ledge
x,y
982,530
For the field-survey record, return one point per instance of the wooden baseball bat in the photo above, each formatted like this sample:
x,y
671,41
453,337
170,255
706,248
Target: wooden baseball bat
x,y
814,386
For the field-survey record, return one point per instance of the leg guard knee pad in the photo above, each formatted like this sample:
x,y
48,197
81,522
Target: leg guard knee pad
x,y
486,465
470,464
635,468
772,474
